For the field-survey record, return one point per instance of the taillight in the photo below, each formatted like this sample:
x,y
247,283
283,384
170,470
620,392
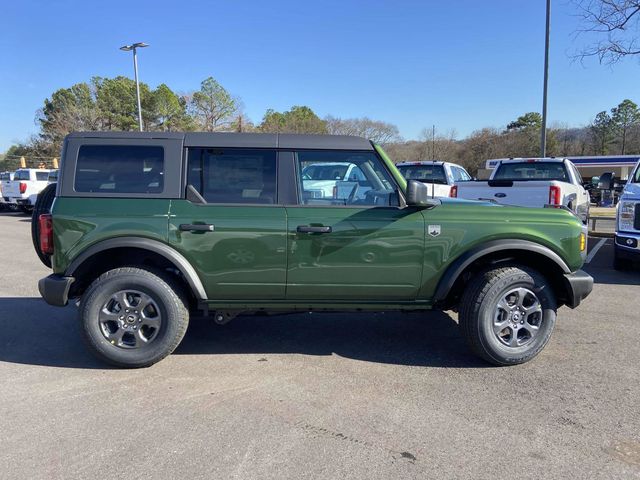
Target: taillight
x,y
554,195
23,187
46,233
453,193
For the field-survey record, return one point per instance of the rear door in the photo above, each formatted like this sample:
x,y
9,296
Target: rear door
x,y
357,244
233,229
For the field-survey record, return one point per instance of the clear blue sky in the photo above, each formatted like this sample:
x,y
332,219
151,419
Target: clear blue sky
x,y
457,64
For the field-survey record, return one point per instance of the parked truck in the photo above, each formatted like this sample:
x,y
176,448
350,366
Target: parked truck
x,y
23,190
532,182
627,238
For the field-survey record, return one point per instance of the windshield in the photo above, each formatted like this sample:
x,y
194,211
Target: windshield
x,y
424,173
636,176
532,171
332,171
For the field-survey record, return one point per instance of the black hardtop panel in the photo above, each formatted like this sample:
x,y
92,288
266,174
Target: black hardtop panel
x,y
242,140
323,142
231,140
128,135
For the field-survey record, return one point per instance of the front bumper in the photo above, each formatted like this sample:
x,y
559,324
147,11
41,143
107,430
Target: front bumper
x,y
579,285
628,242
55,289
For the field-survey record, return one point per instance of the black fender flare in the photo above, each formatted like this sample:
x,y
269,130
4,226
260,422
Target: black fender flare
x,y
155,246
467,258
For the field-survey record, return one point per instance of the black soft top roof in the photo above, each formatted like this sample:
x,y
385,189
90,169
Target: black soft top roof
x,y
243,140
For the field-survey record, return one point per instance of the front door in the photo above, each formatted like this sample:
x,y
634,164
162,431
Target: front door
x,y
348,238
235,234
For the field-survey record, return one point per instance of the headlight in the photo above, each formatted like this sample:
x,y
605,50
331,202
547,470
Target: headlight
x,y
626,215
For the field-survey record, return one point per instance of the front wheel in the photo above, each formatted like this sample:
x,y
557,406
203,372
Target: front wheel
x,y
507,314
133,317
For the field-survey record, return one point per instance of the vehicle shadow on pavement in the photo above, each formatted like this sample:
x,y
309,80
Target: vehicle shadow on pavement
x,y
35,333
418,339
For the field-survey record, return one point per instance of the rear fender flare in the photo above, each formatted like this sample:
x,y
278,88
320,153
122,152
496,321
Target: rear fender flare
x,y
181,263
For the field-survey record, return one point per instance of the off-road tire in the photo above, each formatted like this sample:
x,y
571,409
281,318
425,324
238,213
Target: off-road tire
x,y
43,205
478,312
165,291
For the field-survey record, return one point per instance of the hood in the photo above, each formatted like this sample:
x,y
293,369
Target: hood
x,y
632,191
462,201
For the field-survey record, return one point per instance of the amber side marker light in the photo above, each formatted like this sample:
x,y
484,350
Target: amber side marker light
x,y
583,242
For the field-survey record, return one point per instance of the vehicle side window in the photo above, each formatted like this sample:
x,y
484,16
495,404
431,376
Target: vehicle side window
x,y
339,178
463,175
42,176
458,174
576,173
233,175
119,169
22,175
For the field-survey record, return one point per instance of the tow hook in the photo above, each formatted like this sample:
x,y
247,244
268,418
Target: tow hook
x,y
222,317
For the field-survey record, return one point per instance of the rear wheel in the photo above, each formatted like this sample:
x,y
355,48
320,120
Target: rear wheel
x,y
43,205
133,317
507,315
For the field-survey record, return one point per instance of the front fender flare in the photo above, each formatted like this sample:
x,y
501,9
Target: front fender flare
x,y
459,265
181,263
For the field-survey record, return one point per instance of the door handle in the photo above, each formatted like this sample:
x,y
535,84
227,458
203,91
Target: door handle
x,y
310,229
196,227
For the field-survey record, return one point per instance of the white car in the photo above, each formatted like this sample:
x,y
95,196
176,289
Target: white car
x,y
532,182
23,190
440,177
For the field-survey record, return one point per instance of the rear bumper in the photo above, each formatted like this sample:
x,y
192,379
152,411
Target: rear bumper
x,y
55,289
579,285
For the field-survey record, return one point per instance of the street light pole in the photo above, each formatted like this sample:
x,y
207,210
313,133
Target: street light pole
x,y
134,48
543,135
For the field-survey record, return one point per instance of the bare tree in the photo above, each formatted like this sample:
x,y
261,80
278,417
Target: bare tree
x,y
614,25
375,130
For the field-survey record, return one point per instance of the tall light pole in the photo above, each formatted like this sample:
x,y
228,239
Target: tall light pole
x,y
543,134
133,48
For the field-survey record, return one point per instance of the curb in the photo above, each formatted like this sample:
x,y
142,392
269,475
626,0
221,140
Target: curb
x,y
601,234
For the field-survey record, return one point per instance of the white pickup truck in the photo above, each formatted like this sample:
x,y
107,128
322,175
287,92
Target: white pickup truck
x,y
23,190
532,182
439,177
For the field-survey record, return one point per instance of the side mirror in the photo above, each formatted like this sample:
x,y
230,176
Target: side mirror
x,y
606,181
418,194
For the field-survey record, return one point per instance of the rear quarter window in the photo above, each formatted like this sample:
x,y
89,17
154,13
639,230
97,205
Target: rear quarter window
x,y
42,176
119,169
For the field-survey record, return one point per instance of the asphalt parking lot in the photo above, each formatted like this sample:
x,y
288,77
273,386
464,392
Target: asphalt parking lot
x,y
318,396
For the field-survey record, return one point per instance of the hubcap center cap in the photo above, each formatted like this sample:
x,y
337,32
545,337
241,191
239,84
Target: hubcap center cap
x,y
132,318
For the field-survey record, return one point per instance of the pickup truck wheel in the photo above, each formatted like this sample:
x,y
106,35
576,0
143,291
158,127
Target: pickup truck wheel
x,y
43,205
133,317
507,315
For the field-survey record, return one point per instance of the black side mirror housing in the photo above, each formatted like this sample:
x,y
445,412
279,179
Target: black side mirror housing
x,y
607,181
418,195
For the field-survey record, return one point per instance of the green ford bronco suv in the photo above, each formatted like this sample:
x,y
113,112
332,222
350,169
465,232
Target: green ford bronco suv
x,y
146,228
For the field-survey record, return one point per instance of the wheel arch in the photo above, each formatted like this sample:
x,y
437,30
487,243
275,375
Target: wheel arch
x,y
115,252
520,252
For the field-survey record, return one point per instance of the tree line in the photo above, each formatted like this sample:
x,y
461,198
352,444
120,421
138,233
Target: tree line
x,y
104,104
